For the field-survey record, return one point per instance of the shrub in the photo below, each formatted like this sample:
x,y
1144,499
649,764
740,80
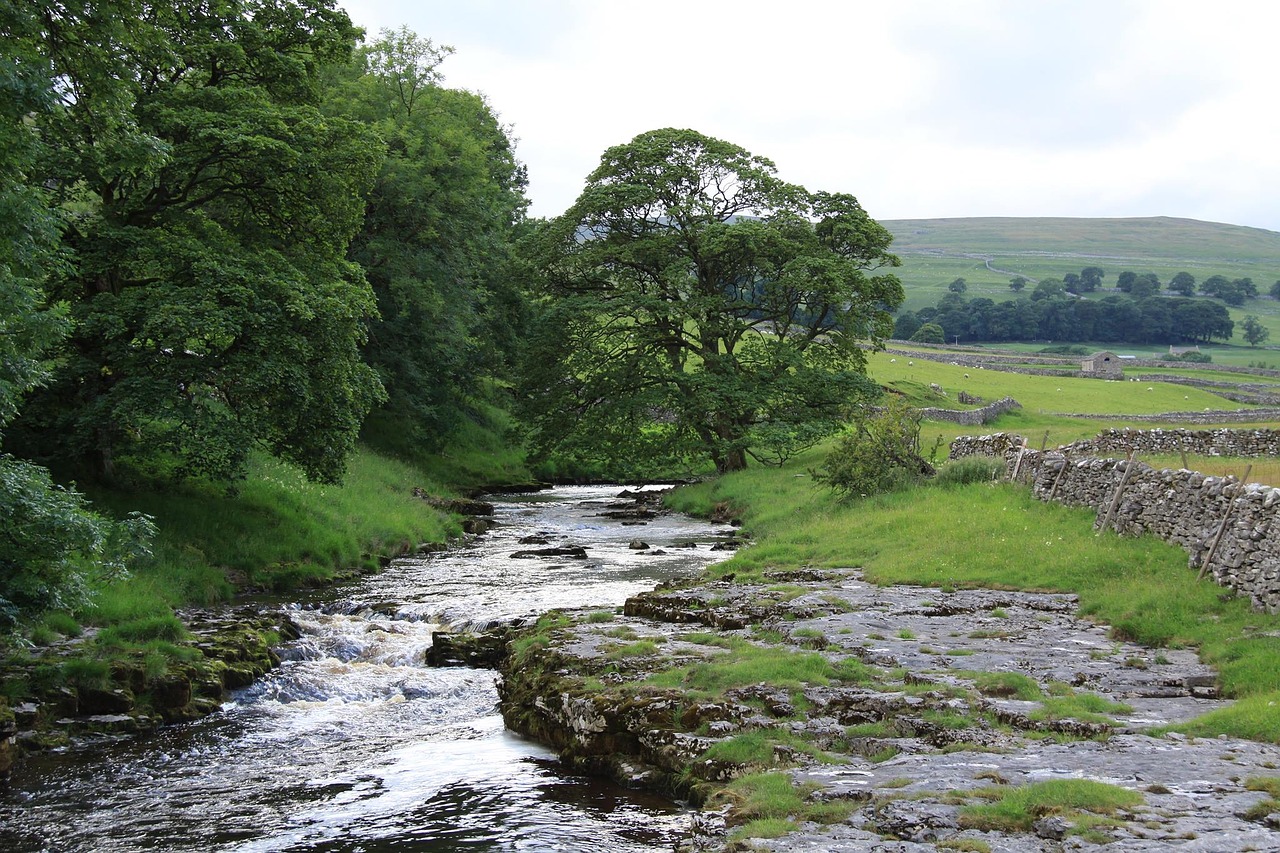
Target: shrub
x,y
879,452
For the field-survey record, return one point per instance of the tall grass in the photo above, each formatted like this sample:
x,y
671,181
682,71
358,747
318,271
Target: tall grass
x,y
275,530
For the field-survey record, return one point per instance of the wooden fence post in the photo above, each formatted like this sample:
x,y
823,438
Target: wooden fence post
x,y
1018,465
1226,519
1066,463
1115,501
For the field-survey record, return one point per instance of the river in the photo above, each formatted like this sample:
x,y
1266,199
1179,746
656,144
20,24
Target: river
x,y
354,744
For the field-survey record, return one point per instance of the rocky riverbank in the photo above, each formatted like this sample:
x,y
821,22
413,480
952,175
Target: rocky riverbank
x,y
896,714
64,695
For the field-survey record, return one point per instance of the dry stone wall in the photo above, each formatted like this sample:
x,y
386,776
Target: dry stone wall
x,y
1228,528
972,417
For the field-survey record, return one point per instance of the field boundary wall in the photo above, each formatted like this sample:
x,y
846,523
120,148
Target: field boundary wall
x,y
1229,529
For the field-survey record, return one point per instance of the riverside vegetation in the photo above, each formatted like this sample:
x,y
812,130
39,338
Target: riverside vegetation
x,y
250,255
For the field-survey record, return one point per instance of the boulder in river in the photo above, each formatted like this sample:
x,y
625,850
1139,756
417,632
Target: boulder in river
x,y
576,552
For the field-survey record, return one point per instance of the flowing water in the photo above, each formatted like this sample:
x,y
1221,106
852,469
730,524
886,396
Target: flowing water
x,y
353,744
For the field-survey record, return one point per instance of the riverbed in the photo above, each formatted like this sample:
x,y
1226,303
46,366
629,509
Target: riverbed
x,y
354,744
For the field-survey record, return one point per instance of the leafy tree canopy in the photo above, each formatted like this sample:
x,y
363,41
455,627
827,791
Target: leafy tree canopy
x,y
208,205
1254,332
435,241
696,306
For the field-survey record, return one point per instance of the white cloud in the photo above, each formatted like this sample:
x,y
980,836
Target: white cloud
x,y
925,108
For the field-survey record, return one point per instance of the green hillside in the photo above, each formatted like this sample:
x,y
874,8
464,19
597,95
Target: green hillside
x,y
1158,239
988,251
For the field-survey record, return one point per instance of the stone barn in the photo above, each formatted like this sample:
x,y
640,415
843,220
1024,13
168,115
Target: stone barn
x,y
1103,365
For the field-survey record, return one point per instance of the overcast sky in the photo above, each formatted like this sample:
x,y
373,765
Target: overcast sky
x,y
920,108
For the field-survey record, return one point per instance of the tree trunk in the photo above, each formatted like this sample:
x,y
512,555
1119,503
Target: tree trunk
x,y
734,460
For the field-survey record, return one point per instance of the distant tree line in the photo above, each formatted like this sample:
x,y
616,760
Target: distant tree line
x,y
1052,314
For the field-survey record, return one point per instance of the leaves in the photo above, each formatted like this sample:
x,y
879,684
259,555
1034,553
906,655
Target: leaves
x,y
695,305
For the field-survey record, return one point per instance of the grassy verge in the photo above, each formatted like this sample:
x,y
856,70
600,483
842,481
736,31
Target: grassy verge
x,y
272,531
997,535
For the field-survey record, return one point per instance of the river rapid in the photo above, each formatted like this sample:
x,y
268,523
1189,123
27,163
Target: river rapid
x,y
354,744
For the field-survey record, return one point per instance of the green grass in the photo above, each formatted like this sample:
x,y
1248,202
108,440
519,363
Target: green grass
x,y
769,804
998,536
276,531
747,663
1015,809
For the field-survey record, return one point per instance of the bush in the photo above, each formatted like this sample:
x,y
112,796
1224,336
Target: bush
x,y
879,452
929,333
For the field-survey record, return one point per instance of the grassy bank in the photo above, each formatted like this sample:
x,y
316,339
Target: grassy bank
x,y
998,536
276,531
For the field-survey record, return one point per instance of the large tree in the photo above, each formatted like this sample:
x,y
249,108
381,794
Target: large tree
x,y
435,243
50,541
209,204
696,306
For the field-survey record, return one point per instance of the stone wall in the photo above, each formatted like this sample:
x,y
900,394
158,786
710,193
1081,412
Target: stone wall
x,y
1222,524
972,417
1217,416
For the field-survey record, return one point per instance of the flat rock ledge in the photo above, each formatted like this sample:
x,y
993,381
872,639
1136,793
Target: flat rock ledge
x,y
231,648
917,708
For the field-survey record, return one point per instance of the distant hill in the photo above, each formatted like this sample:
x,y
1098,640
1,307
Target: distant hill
x,y
987,251
1160,240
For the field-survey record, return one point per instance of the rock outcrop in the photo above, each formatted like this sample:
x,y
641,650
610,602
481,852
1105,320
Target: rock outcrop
x,y
903,704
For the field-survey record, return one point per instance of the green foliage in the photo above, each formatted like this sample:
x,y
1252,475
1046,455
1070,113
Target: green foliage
x,y
929,333
53,548
435,240
1016,808
86,672
209,204
158,627
970,470
878,452
694,307
1253,331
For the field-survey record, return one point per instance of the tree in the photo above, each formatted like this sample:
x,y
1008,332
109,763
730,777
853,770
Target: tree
x,y
905,325
210,203
1214,284
929,333
696,306
1125,280
1275,290
1246,286
1254,332
435,242
51,542
1183,283
1072,283
878,452
958,286
1091,278
1048,288
1017,283
1145,285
